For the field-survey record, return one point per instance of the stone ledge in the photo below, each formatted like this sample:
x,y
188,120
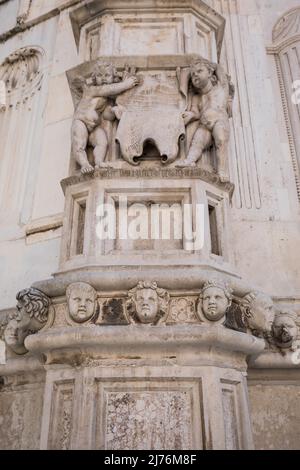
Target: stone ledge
x,y
271,360
150,173
121,277
149,340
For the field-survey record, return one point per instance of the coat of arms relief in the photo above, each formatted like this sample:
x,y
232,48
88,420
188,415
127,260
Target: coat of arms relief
x,y
131,112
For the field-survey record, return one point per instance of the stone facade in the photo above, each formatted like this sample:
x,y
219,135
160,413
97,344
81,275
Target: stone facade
x,y
149,111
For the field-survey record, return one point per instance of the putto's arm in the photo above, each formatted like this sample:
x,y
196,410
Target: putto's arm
x,y
221,75
115,88
193,114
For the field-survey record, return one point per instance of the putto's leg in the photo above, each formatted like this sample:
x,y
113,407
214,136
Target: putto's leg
x,y
98,140
201,140
79,142
221,134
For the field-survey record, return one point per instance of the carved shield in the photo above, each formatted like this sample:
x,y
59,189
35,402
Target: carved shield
x,y
152,111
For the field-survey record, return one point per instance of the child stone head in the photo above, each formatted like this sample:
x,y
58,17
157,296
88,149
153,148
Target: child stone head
x,y
81,298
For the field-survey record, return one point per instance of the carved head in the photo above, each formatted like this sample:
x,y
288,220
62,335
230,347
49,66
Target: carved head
x,y
32,315
216,298
81,298
104,74
258,311
147,303
202,72
285,330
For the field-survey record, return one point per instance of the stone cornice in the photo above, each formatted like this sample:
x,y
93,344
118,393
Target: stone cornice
x,y
29,23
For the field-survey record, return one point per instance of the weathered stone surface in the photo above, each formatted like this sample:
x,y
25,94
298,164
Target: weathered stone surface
x,y
275,418
148,420
21,405
154,365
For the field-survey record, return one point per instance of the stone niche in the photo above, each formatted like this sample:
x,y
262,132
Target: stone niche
x,y
148,27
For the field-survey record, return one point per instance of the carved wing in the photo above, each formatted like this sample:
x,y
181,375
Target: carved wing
x,y
77,87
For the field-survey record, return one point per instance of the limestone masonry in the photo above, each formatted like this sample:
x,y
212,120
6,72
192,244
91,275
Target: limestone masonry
x,y
150,224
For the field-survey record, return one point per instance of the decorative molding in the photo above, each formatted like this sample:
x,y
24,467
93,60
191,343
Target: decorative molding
x,y
182,310
22,74
208,19
61,416
244,151
24,10
286,52
287,26
288,124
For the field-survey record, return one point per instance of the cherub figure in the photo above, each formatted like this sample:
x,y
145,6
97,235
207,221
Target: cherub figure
x,y
95,104
211,106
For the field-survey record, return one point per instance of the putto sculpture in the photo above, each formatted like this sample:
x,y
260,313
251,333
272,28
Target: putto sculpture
x,y
96,103
147,303
258,314
32,315
214,301
82,302
285,329
211,106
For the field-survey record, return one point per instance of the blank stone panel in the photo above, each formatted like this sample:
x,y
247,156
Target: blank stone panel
x,y
230,421
20,416
149,34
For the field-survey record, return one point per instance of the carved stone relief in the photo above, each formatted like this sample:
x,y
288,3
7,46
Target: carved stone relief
x,y
287,26
143,113
211,107
258,313
22,74
147,303
285,329
214,301
151,112
95,104
182,310
32,315
82,302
